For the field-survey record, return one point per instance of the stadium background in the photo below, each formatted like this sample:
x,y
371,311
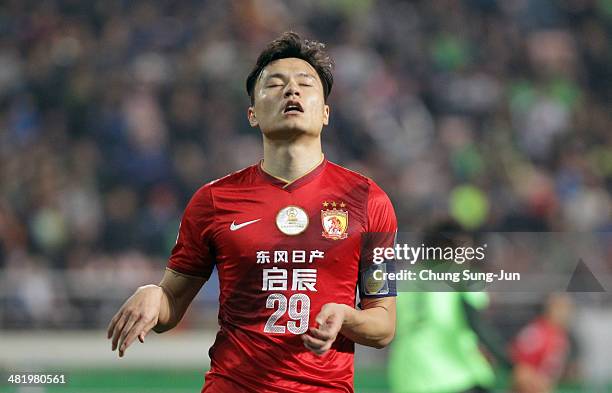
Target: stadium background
x,y
112,113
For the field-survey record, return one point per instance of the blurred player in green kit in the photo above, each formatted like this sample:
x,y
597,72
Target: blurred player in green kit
x,y
436,346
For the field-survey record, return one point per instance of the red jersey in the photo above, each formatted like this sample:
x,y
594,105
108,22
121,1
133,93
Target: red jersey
x,y
282,251
542,345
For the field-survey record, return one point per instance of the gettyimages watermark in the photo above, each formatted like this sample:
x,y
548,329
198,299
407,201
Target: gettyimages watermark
x,y
411,254
488,261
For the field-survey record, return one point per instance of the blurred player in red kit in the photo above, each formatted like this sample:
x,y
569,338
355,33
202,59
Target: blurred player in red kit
x,y
284,235
541,349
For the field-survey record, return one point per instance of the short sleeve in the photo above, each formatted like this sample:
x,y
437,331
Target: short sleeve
x,y
381,216
381,231
528,347
192,253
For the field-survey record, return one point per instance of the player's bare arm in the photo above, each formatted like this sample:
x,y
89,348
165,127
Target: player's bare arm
x,y
153,307
373,325
179,289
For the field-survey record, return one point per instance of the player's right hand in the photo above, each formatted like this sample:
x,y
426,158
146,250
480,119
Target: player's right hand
x,y
138,315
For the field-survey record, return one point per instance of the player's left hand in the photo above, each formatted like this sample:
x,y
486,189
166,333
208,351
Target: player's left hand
x,y
320,339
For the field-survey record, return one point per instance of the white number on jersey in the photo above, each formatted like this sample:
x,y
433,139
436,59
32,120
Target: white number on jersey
x,y
302,315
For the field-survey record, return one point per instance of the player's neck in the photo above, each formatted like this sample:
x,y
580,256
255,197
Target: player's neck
x,y
289,160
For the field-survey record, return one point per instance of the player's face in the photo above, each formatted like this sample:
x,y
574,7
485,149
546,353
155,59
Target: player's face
x,y
289,100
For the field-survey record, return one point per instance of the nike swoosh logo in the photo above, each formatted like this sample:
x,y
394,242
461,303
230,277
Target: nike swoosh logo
x,y
235,227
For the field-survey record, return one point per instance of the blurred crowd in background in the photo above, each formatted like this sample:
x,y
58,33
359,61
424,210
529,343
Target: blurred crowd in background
x,y
496,113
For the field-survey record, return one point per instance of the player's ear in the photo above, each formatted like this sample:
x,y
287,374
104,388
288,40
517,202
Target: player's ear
x,y
251,115
325,115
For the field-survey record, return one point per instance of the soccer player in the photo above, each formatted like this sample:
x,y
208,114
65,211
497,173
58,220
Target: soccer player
x,y
437,348
284,235
541,349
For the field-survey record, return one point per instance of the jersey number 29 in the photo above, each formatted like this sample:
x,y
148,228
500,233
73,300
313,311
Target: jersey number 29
x,y
299,311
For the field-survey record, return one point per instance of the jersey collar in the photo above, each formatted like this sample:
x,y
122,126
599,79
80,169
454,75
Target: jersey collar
x,y
296,183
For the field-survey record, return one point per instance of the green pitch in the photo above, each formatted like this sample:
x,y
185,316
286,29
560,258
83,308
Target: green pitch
x,y
167,380
118,380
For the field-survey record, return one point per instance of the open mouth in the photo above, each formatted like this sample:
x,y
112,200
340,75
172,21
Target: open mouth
x,y
293,107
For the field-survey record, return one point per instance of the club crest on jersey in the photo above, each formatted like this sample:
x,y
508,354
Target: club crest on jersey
x,y
292,220
334,221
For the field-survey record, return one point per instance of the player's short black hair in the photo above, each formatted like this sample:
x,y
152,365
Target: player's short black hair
x,y
290,44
